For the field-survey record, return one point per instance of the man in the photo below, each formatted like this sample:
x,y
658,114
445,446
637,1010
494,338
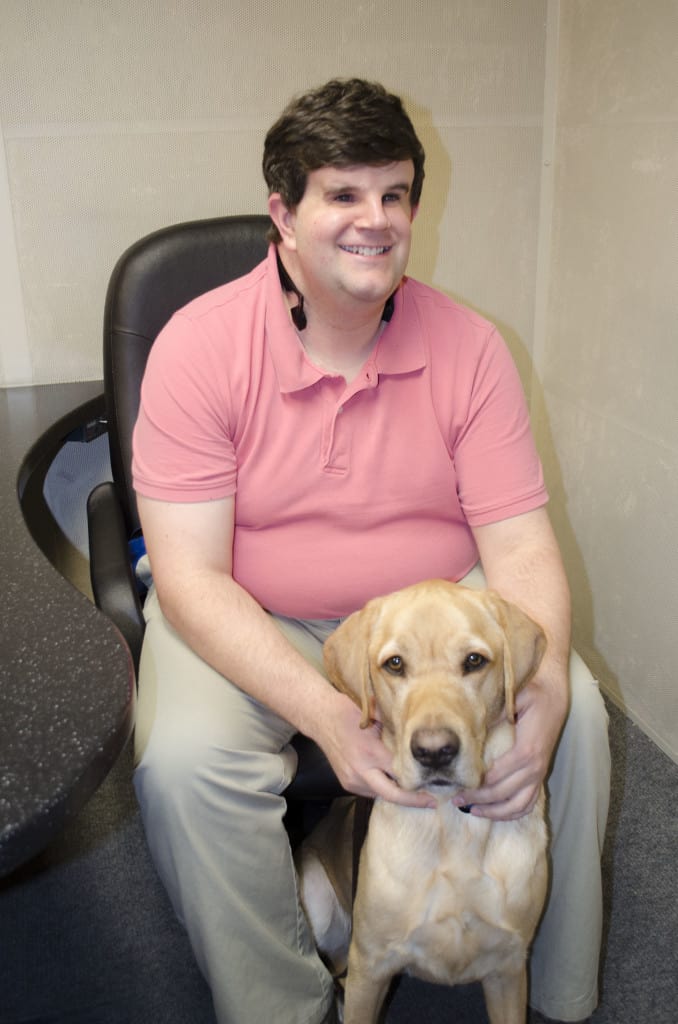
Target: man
x,y
321,431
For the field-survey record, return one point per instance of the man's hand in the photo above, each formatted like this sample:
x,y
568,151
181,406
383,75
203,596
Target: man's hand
x,y
512,784
359,758
522,562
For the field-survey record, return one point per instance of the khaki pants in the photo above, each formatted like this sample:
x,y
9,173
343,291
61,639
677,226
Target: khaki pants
x,y
212,765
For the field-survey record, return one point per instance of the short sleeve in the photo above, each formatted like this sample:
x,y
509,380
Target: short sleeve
x,y
499,473
182,445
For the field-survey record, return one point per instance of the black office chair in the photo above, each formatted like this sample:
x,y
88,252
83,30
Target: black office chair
x,y
152,279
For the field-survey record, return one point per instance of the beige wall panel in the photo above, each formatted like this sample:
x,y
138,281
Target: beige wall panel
x,y
613,342
146,59
614,495
130,60
609,422
618,60
80,201
480,62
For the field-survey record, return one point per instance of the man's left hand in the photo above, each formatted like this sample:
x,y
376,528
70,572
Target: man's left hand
x,y
512,785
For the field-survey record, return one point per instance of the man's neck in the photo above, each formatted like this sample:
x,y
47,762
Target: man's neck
x,y
337,336
343,350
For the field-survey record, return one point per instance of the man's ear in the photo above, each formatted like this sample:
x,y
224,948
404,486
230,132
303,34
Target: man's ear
x,y
283,218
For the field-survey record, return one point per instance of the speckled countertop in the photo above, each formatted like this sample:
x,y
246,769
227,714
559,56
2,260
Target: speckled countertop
x,y
66,680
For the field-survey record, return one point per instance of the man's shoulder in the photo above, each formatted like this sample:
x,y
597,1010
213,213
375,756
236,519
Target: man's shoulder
x,y
242,293
214,326
436,309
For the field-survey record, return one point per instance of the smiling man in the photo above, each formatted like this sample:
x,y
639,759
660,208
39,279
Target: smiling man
x,y
319,432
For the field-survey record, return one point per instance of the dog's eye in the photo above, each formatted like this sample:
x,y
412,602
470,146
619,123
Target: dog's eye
x,y
395,665
474,661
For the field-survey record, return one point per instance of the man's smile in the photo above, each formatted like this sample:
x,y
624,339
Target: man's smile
x,y
366,250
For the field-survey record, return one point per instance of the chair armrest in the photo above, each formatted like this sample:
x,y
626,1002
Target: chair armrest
x,y
113,583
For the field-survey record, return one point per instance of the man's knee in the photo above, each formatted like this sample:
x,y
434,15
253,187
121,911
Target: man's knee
x,y
579,782
588,717
190,758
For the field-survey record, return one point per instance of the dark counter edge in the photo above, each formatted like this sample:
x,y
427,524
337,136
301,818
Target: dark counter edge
x,y
15,850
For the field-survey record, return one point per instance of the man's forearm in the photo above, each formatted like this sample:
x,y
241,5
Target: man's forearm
x,y
522,562
223,624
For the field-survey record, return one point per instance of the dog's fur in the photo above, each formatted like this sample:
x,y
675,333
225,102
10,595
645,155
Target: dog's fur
x,y
441,894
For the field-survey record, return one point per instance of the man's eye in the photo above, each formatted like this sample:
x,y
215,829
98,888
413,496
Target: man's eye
x,y
343,197
474,661
395,665
392,197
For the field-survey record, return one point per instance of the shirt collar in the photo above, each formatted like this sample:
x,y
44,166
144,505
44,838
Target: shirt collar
x,y
399,350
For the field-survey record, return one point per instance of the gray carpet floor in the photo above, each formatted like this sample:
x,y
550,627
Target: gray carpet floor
x,y
87,935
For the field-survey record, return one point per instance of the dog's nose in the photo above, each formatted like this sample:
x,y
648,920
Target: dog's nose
x,y
434,748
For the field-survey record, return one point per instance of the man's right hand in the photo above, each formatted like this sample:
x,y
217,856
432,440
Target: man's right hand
x,y
358,756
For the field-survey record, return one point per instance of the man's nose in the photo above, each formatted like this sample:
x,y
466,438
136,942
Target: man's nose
x,y
373,214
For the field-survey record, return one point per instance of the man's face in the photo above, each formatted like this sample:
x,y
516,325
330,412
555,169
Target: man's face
x,y
348,240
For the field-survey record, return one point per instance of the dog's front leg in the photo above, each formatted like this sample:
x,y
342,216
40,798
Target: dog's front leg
x,y
366,989
506,997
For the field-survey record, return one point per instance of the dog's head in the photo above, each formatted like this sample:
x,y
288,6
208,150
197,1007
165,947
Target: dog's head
x,y
437,664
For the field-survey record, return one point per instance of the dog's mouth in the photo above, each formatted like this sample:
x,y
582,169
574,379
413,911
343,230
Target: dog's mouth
x,y
452,782
438,784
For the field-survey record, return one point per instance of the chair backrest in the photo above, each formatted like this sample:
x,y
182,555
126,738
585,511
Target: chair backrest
x,y
155,277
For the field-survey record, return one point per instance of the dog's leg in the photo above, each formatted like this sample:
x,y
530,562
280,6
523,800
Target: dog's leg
x,y
506,997
363,999
330,924
365,990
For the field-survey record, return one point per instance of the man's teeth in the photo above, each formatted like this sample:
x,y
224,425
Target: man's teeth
x,y
366,250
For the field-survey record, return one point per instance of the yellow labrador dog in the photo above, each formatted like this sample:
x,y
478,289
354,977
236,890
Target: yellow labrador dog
x,y
441,894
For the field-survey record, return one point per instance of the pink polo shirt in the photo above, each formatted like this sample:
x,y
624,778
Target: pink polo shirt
x,y
342,492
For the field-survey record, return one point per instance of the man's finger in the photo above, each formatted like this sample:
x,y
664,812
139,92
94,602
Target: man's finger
x,y
390,790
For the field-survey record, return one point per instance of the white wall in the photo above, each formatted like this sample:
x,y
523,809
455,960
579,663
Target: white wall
x,y
550,129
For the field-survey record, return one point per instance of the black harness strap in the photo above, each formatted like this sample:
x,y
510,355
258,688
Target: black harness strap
x,y
363,809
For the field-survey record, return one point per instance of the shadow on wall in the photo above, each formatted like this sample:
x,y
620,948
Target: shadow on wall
x,y
583,614
437,184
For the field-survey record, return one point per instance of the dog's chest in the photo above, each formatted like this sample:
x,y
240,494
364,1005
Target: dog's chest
x,y
461,945
450,901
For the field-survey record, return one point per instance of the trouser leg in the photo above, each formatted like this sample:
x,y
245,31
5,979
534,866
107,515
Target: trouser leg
x,y
212,767
565,956
566,950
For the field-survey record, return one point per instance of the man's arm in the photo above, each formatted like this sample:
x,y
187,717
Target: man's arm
x,y
522,562
190,549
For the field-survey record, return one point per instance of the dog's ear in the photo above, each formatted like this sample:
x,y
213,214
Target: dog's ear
x,y
345,653
524,646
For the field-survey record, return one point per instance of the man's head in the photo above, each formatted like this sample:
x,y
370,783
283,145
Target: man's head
x,y
345,123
